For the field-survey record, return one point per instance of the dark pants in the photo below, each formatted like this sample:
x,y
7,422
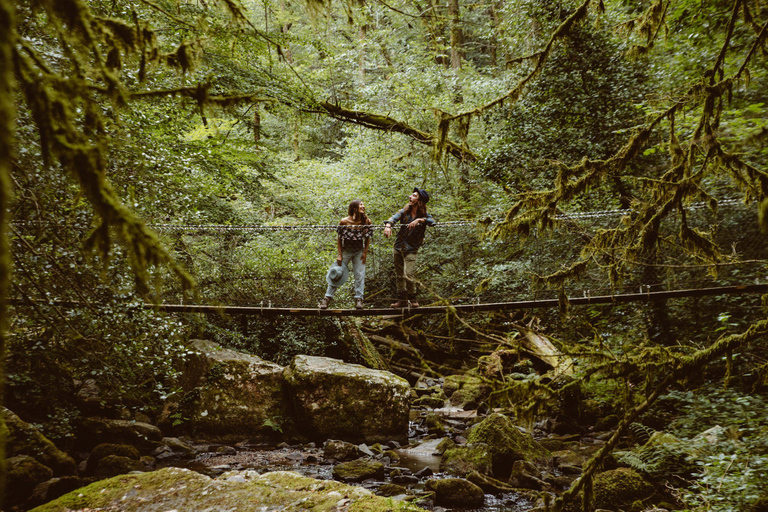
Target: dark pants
x,y
405,269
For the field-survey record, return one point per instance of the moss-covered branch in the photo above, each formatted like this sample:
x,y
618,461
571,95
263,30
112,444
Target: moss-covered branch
x,y
386,123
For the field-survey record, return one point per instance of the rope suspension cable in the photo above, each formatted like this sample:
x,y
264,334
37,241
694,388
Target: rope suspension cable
x,y
266,265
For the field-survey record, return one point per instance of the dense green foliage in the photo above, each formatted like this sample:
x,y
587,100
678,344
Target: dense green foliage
x,y
130,113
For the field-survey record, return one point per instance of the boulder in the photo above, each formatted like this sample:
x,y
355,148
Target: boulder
x,y
244,491
617,489
526,475
237,397
462,460
337,400
23,474
463,389
456,493
359,470
143,436
52,489
506,444
340,450
113,465
389,490
106,449
620,487
23,439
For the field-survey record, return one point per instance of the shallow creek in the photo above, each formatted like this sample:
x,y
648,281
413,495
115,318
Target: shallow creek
x,y
417,463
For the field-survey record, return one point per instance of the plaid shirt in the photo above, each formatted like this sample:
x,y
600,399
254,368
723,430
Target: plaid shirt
x,y
410,240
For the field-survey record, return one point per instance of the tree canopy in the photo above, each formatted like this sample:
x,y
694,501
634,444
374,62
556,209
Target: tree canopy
x,y
115,115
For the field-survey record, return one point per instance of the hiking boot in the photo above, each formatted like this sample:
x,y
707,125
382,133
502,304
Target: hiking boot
x,y
325,302
358,303
414,303
402,300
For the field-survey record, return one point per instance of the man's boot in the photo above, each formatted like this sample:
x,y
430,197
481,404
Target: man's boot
x,y
325,302
402,301
358,303
414,302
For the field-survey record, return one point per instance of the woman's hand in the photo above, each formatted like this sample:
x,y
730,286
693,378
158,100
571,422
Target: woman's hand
x,y
339,259
365,256
414,223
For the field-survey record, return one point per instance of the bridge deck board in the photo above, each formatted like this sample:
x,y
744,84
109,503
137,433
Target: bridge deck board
x,y
466,308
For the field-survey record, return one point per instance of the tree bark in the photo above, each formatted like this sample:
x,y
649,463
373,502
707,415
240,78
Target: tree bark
x,y
256,124
7,123
457,36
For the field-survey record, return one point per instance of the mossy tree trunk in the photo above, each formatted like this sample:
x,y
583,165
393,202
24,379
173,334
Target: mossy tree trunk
x,y
7,116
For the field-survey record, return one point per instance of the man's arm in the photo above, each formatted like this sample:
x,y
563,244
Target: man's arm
x,y
389,222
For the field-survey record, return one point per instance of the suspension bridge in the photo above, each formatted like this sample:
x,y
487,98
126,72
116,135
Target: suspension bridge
x,y
274,270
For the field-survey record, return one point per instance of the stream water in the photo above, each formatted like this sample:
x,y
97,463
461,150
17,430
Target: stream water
x,y
308,460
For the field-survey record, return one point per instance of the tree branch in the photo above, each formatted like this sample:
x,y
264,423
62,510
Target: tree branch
x,y
386,123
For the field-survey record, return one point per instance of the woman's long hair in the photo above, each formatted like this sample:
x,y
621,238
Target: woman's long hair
x,y
420,209
355,214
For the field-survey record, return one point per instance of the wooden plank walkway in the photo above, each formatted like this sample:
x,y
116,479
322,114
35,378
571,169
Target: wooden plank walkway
x,y
426,310
463,308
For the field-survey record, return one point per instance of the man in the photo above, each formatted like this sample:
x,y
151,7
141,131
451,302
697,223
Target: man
x,y
414,220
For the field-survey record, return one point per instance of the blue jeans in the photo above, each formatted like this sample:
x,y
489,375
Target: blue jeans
x,y
358,271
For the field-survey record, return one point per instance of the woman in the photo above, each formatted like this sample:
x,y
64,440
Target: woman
x,y
413,219
354,235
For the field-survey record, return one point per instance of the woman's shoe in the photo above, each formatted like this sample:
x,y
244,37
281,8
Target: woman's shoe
x,y
414,303
401,303
358,303
325,302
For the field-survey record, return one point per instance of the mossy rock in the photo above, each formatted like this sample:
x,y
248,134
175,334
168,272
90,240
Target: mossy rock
x,y
506,444
446,444
619,488
434,424
462,389
389,490
113,465
456,493
106,449
497,364
340,450
359,470
338,400
462,460
23,474
244,491
394,457
52,489
23,439
95,431
239,396
434,401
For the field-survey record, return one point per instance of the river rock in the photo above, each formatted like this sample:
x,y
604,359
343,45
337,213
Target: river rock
x,y
456,492
95,431
183,489
24,473
359,470
237,397
337,400
506,444
52,489
106,449
24,439
113,465
340,450
462,460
